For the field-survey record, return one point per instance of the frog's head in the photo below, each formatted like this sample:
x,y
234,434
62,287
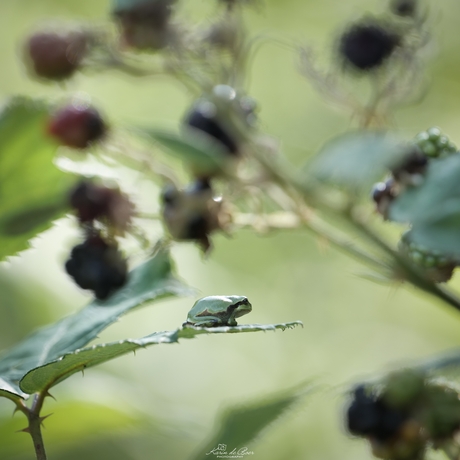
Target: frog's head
x,y
238,305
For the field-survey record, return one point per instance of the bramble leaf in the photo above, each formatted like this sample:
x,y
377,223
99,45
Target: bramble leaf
x,y
194,149
50,374
242,424
152,280
433,208
33,190
356,160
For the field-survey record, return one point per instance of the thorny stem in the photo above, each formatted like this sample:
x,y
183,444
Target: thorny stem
x,y
284,175
35,422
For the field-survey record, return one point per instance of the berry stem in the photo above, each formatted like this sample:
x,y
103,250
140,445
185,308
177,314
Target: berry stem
x,y
294,185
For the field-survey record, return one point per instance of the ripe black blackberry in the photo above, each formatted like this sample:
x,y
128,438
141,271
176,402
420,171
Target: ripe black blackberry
x,y
206,121
97,266
404,8
366,45
369,416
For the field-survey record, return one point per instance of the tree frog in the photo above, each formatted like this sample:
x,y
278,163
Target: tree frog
x,y
214,311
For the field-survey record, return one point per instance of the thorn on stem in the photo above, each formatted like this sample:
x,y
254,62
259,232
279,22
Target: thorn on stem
x,y
47,393
41,419
24,430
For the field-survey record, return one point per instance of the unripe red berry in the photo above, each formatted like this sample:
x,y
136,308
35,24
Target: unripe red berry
x,y
365,46
55,56
98,202
77,126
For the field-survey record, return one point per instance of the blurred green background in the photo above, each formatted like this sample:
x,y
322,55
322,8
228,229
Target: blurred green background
x,y
164,403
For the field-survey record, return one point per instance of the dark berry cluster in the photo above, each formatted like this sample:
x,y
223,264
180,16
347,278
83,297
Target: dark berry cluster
x,y
193,214
412,166
436,266
98,266
365,46
77,126
408,171
405,415
145,24
55,56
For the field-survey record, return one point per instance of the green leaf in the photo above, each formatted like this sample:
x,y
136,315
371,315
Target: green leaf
x,y
32,190
50,374
121,5
190,331
433,208
242,424
11,391
152,280
356,160
195,150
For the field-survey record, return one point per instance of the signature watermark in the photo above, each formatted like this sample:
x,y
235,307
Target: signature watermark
x,y
221,451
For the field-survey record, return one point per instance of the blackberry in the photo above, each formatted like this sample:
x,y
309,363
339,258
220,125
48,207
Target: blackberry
x,y
145,23
437,267
366,45
76,126
169,195
192,214
362,414
199,185
433,143
55,56
91,201
383,193
368,415
411,167
204,118
97,266
404,8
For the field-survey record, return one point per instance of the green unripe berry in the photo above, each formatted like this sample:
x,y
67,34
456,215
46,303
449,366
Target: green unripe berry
x,y
436,266
433,143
